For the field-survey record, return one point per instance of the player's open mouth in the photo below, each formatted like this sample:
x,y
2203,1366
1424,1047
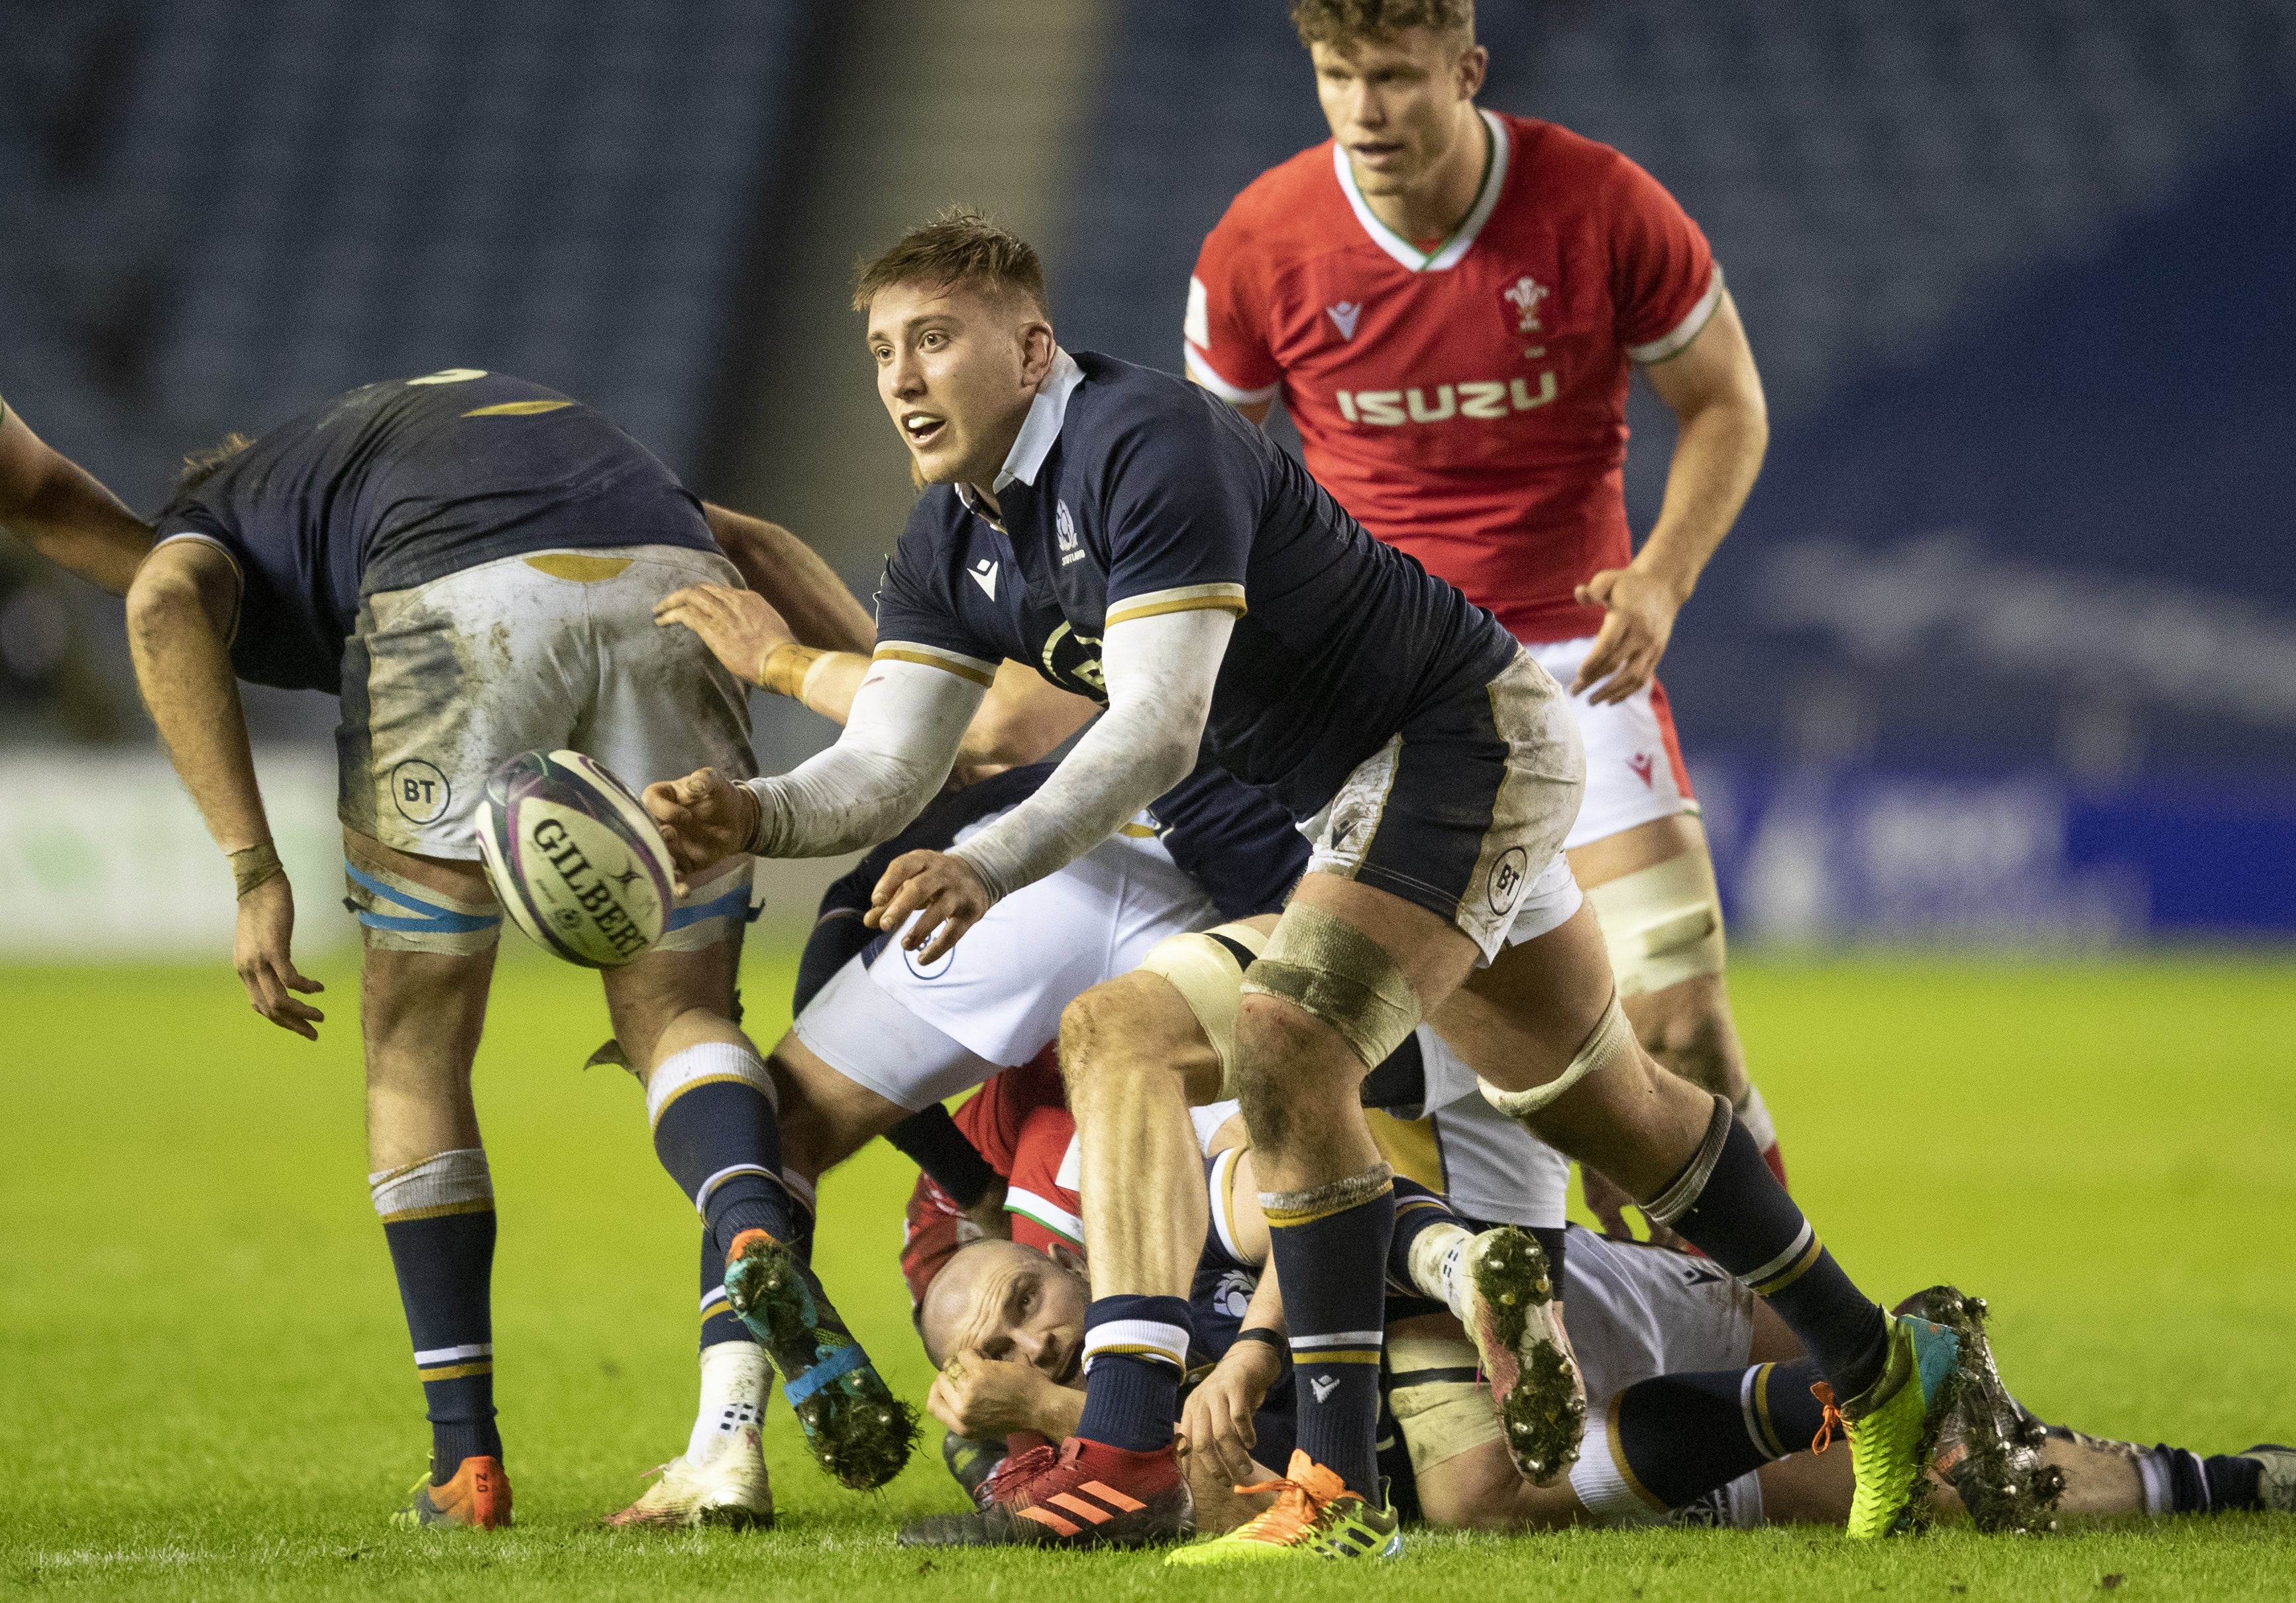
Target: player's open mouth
x,y
1375,154
921,428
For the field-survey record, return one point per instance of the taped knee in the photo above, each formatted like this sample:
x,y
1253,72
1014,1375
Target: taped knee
x,y
1611,1039
447,1182
1662,923
1329,968
395,914
711,910
1207,969
1439,1407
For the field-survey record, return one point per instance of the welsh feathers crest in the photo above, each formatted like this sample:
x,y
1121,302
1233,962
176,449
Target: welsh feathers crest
x,y
1524,294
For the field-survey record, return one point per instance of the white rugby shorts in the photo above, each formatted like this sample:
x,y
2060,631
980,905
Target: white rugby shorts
x,y
916,1035
1634,761
444,681
1490,1167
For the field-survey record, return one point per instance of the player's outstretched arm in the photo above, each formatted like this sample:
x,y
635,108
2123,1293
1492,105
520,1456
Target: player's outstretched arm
x,y
1159,672
821,610
1023,717
899,746
57,507
1715,392
180,610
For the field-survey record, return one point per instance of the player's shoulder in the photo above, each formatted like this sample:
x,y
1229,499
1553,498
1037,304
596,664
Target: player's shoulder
x,y
1122,404
1568,170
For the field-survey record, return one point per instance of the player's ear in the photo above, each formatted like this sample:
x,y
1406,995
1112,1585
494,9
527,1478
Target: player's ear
x,y
1474,63
1066,1257
1038,348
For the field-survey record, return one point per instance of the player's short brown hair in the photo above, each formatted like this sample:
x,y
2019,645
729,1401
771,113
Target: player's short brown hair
x,y
1344,22
201,466
961,246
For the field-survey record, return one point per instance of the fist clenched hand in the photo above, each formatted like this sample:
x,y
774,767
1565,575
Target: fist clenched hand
x,y
703,818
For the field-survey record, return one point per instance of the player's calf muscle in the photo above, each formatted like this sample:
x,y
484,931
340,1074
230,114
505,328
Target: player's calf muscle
x,y
1687,1028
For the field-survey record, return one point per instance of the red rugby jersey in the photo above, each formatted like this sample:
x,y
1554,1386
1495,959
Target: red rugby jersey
x,y
1467,406
995,1119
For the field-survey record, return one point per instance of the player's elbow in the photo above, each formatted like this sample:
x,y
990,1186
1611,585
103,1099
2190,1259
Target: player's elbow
x,y
165,602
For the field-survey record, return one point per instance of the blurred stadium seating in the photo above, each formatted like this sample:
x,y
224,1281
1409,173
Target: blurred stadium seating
x,y
2015,271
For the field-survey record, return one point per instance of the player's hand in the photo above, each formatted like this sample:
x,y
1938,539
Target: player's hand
x,y
703,818
259,950
1609,1203
1639,621
988,1216
1217,1419
978,1396
741,627
943,891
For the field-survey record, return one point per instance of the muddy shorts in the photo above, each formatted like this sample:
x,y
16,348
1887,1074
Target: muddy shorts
x,y
444,681
1465,811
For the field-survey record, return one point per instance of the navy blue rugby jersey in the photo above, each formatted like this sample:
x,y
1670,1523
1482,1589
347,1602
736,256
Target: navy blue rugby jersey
x,y
394,485
1131,493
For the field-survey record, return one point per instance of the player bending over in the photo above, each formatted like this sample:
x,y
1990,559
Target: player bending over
x,y
1449,302
1135,540
470,563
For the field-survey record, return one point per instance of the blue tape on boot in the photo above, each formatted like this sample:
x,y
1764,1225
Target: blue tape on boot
x,y
843,1361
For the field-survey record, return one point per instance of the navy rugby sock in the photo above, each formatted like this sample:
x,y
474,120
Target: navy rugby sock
x,y
1135,1351
439,1218
1738,1214
1419,1209
1683,1436
2179,1481
1329,1248
719,1322
716,1132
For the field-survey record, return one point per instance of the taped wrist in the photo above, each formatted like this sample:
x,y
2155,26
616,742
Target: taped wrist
x,y
1327,968
1611,1039
253,866
783,669
396,915
1682,1193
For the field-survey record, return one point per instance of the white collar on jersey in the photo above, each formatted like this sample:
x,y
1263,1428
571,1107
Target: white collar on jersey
x,y
1448,253
1039,430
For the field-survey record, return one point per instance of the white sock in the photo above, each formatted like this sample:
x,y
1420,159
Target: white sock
x,y
736,1378
1754,1113
1437,1260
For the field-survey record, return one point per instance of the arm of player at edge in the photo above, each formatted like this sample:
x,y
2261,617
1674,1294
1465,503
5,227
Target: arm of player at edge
x,y
820,608
1715,392
179,615
1160,672
57,507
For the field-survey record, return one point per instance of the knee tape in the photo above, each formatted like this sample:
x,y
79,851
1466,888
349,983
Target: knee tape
x,y
1662,923
711,910
1439,1407
1207,969
1611,1039
1330,968
396,915
450,1182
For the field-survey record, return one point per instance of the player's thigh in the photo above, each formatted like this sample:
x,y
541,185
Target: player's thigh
x,y
444,681
663,706
1520,1022
826,1114
891,1060
429,928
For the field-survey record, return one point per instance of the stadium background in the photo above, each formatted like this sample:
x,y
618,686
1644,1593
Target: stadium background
x,y
2000,662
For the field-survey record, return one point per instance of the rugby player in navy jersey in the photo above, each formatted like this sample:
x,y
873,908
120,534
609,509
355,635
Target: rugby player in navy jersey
x,y
470,563
56,508
1138,542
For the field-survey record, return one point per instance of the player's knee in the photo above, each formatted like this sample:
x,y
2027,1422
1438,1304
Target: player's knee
x,y
1112,1032
1662,925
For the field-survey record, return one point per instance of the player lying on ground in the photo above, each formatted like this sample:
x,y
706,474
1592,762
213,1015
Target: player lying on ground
x,y
1449,302
57,507
1135,540
1697,1383
471,563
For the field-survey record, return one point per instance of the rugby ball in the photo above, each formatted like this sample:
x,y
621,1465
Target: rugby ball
x,y
574,858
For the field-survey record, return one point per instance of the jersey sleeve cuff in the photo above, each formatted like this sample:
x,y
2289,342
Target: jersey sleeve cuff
x,y
1046,1213
1184,598
1672,342
1201,371
983,674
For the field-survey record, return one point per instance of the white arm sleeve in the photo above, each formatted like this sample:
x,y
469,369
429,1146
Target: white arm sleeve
x,y
900,741
1160,672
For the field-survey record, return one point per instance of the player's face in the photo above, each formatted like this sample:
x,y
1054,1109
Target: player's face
x,y
1019,1306
956,370
1397,106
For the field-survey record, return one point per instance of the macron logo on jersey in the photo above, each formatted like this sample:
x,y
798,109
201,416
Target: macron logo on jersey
x,y
1344,317
984,574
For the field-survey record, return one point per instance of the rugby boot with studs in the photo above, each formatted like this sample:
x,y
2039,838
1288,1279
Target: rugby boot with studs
x,y
478,1496
2276,1481
1893,1426
1082,1494
729,1490
1314,1516
1503,1294
1989,1448
856,1428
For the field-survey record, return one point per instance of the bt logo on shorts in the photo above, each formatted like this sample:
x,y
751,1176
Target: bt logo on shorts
x,y
1507,878
420,791
1485,401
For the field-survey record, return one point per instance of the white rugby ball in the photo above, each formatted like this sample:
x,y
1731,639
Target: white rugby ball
x,y
574,858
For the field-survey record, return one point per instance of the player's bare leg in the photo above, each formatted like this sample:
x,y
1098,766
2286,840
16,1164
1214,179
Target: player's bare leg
x,y
422,1006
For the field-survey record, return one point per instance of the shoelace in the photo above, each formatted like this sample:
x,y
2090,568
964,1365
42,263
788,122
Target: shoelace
x,y
1014,1472
1829,1421
1294,1511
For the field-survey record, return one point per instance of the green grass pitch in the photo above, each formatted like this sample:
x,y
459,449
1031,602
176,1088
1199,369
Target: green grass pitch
x,y
205,1389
